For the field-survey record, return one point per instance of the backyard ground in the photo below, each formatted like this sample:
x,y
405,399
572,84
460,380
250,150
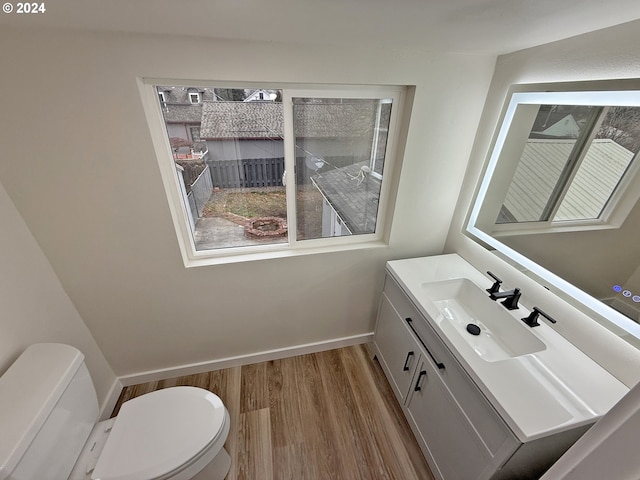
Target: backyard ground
x,y
239,205
247,203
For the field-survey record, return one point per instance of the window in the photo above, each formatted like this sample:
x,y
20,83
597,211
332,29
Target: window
x,y
564,165
162,97
336,142
195,134
308,171
194,97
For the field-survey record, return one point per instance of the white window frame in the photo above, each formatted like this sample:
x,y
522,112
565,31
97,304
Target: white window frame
x,y
515,127
374,149
192,257
195,95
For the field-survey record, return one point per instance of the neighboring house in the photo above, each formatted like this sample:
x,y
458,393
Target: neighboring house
x,y
188,153
242,130
261,96
350,200
541,165
567,127
182,111
560,121
236,130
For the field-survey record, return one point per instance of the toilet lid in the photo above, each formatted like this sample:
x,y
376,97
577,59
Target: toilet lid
x,y
157,433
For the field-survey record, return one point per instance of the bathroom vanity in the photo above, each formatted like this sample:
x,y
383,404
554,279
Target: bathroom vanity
x,y
501,401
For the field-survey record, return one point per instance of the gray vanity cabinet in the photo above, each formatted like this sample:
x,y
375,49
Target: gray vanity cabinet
x,y
401,352
458,430
470,421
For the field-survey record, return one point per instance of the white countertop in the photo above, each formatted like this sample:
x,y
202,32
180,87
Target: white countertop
x,y
537,394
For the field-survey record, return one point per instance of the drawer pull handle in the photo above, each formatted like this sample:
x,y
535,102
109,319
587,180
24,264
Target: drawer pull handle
x,y
406,361
409,321
417,388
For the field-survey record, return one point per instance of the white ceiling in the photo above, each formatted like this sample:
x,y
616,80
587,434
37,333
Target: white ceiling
x,y
466,26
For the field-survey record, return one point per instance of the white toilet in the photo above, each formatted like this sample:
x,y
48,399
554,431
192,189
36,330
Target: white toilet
x,y
48,409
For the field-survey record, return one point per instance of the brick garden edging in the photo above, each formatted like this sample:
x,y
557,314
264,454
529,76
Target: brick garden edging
x,y
254,228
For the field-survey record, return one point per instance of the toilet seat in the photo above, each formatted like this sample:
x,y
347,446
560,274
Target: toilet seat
x,y
160,433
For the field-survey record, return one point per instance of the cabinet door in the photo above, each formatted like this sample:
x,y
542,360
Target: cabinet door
x,y
398,351
452,447
499,442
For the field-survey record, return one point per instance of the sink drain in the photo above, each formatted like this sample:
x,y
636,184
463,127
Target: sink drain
x,y
473,329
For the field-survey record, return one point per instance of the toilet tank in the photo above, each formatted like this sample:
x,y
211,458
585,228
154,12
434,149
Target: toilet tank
x,y
48,406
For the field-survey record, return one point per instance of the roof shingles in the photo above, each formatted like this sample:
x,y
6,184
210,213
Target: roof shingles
x,y
222,120
355,203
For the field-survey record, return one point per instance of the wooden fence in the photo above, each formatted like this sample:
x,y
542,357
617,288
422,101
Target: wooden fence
x,y
265,172
251,172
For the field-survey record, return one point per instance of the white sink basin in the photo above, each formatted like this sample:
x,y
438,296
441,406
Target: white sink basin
x,y
460,302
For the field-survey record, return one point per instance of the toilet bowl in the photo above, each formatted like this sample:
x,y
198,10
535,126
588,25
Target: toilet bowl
x,y
49,429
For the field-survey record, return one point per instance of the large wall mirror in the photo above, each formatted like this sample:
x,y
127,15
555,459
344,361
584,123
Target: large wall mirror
x,y
560,198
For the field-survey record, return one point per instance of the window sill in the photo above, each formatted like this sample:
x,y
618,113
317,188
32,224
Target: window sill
x,y
236,255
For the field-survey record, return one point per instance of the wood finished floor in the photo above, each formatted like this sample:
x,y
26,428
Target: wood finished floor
x,y
328,415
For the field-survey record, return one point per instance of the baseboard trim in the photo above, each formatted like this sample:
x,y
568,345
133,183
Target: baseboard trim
x,y
217,364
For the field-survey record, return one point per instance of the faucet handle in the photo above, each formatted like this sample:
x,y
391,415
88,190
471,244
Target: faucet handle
x,y
495,288
532,319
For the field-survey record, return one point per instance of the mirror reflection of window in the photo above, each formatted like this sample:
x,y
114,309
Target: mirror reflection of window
x,y
605,164
572,162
